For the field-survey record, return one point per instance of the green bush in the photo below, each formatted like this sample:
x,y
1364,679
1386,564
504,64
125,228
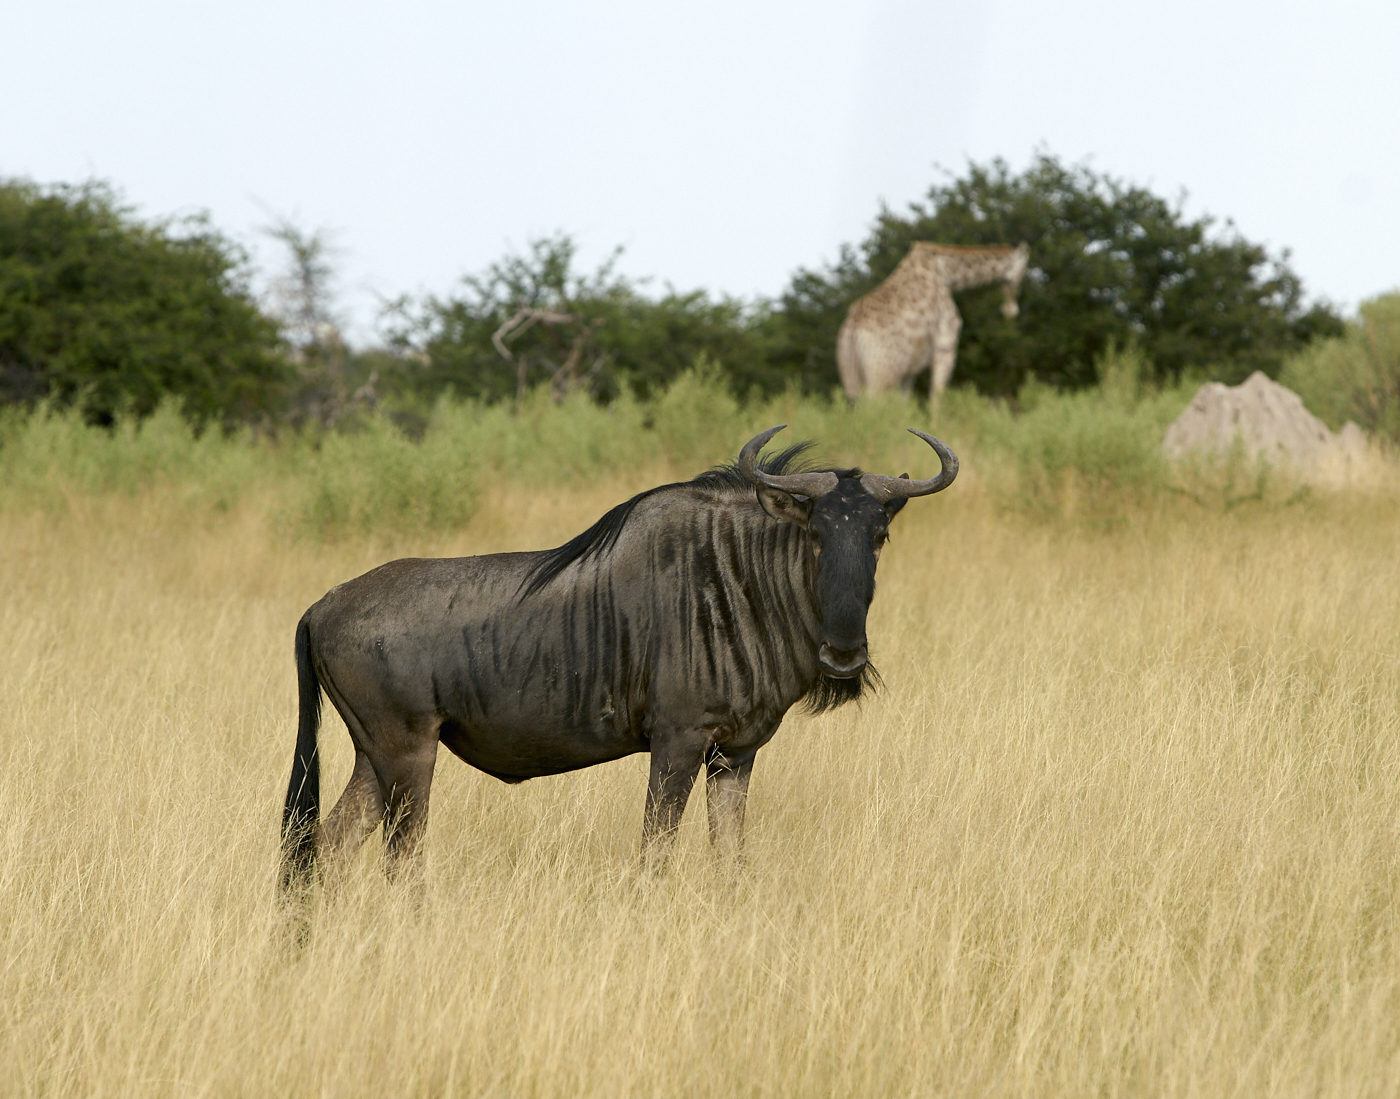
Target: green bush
x,y
1092,454
1083,452
49,454
378,481
116,315
1357,375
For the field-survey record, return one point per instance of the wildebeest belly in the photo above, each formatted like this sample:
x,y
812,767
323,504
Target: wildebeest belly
x,y
514,753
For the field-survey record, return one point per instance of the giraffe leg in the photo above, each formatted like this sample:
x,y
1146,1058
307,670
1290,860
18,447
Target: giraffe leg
x,y
945,352
848,360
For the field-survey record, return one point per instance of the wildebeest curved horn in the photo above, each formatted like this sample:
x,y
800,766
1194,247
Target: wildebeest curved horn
x,y
886,489
799,484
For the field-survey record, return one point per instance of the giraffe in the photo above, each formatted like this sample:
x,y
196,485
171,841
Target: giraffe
x,y
894,331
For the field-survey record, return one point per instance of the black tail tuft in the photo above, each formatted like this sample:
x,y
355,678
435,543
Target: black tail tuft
x,y
299,817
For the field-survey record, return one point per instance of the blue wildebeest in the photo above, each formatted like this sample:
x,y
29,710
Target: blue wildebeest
x,y
684,623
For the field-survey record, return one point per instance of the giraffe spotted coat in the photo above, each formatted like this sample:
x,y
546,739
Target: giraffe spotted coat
x,y
910,319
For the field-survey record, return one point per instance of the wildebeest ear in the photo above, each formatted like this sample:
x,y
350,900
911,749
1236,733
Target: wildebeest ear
x,y
894,507
785,507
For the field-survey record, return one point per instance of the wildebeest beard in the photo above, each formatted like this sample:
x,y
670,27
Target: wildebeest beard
x,y
828,693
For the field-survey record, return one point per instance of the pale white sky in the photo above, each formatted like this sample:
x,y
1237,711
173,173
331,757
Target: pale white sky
x,y
723,144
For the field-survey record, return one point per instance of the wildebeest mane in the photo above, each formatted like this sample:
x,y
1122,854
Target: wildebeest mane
x,y
603,535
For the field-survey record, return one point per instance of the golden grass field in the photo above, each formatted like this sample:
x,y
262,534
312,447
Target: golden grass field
x,y
1122,822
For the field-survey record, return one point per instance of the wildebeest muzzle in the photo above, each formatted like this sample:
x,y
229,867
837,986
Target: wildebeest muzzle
x,y
842,664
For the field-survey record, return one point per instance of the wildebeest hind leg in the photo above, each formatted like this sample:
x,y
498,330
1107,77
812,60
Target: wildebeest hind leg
x,y
358,813
405,781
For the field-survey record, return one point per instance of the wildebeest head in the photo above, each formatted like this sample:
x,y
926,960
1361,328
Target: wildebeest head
x,y
847,516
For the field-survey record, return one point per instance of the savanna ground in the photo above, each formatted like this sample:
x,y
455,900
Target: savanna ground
x,y
1123,820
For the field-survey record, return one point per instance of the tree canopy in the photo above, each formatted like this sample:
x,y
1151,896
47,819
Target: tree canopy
x,y
98,307
533,318
1110,263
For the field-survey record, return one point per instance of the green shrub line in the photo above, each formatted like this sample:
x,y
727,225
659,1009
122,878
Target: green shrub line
x,y
1357,376
1092,452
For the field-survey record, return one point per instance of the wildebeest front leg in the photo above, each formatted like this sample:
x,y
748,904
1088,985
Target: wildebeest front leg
x,y
672,775
726,797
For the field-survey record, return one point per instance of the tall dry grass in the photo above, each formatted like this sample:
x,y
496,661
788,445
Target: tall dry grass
x,y
1123,821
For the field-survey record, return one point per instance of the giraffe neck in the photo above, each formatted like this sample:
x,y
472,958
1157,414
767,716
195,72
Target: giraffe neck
x,y
962,270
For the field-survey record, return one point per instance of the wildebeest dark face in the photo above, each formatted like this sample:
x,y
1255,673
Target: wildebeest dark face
x,y
846,514
846,529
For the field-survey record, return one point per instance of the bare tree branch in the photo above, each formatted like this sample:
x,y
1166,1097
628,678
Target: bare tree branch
x,y
521,323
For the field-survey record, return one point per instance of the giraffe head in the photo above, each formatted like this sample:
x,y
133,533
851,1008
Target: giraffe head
x,y
1012,283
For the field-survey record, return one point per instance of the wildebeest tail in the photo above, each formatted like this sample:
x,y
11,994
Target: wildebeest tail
x,y
302,809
